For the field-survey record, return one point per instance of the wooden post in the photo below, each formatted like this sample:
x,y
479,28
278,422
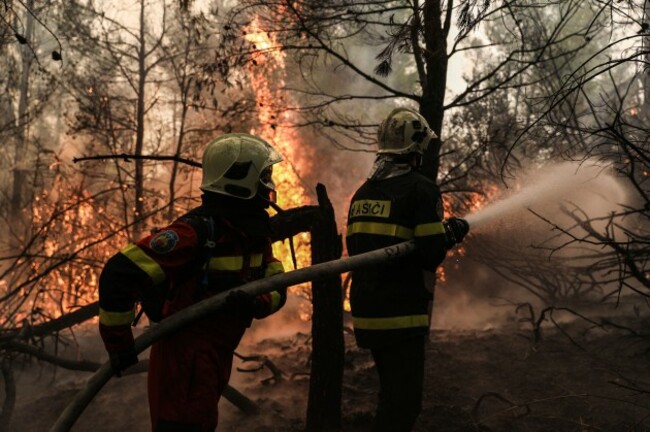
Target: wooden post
x,y
324,406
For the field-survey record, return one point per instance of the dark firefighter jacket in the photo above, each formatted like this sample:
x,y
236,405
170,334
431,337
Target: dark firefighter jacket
x,y
217,246
390,301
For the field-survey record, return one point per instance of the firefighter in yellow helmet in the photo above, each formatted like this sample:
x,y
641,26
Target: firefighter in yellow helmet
x,y
391,304
223,243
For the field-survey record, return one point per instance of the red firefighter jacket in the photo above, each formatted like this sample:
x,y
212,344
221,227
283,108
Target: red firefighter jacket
x,y
167,261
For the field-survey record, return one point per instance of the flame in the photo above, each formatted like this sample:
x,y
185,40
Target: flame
x,y
59,267
268,63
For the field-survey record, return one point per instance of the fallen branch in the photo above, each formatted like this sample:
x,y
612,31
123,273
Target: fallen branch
x,y
516,409
197,311
264,362
39,353
68,320
230,393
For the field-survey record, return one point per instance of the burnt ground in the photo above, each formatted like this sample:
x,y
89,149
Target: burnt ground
x,y
498,380
574,379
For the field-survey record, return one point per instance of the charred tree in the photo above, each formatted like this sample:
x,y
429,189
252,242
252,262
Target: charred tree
x,y
324,406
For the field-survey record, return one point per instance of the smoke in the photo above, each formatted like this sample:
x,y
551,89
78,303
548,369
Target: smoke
x,y
343,156
462,304
342,172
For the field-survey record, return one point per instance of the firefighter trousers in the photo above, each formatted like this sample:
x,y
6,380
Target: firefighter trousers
x,y
188,373
401,374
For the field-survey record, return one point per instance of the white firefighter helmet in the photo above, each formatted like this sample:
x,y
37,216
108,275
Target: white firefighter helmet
x,y
404,131
236,164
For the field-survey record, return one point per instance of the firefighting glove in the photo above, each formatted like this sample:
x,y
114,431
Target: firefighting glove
x,y
455,231
241,303
122,360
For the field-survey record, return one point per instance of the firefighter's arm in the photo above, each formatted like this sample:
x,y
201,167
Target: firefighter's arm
x,y
117,295
263,305
429,231
131,273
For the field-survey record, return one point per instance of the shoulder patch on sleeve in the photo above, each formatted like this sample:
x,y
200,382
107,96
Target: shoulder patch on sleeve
x,y
164,241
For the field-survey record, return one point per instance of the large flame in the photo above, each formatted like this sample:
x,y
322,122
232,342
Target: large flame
x,y
267,78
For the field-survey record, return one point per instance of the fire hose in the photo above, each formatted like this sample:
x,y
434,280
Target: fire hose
x,y
199,310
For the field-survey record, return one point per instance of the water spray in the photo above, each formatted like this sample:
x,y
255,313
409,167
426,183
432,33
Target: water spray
x,y
557,183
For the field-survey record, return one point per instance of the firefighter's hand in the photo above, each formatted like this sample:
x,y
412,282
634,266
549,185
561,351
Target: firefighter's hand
x,y
455,230
122,360
241,303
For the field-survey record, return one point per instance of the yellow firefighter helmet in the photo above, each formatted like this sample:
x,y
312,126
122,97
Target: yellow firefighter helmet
x,y
404,131
236,164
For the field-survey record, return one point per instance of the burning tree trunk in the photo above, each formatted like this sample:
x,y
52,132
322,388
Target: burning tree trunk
x,y
324,406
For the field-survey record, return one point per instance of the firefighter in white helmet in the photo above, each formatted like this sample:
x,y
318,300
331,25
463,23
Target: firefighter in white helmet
x,y
391,303
223,243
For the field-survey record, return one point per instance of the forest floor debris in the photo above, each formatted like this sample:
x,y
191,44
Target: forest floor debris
x,y
489,380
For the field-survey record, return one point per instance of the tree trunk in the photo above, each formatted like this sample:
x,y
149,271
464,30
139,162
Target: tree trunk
x,y
139,136
179,147
324,406
433,95
17,218
645,110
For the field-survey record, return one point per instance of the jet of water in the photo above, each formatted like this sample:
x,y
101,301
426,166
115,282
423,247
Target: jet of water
x,y
555,184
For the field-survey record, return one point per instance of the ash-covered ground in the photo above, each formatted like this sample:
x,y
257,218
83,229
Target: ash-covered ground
x,y
493,378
